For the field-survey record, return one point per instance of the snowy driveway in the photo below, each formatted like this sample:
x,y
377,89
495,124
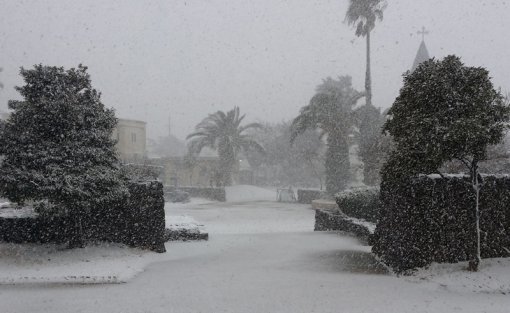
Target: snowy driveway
x,y
262,256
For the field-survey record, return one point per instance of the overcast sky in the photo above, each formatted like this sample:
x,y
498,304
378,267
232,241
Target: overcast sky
x,y
152,59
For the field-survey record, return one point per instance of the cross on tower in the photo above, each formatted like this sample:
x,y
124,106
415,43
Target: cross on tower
x,y
423,32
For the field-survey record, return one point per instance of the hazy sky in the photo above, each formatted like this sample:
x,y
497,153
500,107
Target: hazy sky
x,y
152,59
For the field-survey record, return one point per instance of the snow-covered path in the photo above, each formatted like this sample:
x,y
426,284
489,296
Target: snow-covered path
x,y
262,256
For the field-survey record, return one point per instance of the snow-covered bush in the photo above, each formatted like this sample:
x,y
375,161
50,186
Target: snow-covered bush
x,y
445,111
430,219
57,145
360,203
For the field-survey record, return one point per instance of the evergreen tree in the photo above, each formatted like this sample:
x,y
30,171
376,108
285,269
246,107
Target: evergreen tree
x,y
57,144
445,111
331,111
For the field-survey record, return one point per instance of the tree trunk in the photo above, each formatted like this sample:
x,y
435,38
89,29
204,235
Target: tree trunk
x,y
315,172
337,163
77,240
227,162
368,78
474,264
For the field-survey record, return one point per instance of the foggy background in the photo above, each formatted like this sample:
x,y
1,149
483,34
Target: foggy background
x,y
152,59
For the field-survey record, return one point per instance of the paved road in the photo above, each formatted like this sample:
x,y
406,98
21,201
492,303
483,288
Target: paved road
x,y
261,257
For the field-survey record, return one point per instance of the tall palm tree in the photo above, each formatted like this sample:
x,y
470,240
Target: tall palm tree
x,y
363,14
331,111
223,132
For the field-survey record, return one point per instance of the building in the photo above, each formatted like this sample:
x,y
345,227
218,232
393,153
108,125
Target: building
x,y
131,140
423,54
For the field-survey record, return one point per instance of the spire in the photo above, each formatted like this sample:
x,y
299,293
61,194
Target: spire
x,y
423,53
421,56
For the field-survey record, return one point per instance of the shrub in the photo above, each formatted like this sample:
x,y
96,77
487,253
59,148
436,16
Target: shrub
x,y
429,219
57,145
137,220
360,203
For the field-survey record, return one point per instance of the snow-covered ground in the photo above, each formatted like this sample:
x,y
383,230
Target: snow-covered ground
x,y
246,193
493,277
261,256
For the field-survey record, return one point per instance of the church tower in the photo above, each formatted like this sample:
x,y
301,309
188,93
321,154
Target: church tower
x,y
423,53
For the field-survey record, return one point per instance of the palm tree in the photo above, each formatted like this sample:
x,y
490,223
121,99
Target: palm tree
x,y
223,132
362,14
331,111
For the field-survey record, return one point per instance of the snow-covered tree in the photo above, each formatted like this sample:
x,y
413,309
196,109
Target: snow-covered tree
x,y
57,144
331,111
446,111
222,131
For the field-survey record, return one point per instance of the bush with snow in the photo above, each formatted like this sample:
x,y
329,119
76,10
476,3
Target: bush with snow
x,y
360,203
57,144
445,111
430,219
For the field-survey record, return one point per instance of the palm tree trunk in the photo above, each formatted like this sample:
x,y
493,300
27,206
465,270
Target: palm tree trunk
x,y
227,163
368,78
337,163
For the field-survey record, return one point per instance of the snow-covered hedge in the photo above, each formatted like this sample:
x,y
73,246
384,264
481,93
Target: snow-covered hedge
x,y
360,203
326,220
432,219
138,221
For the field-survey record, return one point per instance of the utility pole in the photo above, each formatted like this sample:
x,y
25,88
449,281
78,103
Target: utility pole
x,y
1,85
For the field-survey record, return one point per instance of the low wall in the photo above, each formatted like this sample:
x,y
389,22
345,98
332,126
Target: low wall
x,y
306,196
217,194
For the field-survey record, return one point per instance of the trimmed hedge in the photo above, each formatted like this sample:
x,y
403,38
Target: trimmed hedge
x,y
217,194
306,196
326,220
139,221
431,219
360,203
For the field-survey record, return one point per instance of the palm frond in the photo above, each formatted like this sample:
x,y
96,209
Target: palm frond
x,y
363,14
